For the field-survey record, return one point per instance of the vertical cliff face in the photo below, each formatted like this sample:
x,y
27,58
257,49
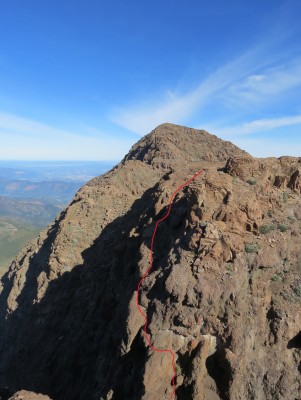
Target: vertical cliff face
x,y
224,292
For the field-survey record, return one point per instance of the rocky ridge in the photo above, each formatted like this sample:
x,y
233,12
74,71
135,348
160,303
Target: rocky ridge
x,y
224,294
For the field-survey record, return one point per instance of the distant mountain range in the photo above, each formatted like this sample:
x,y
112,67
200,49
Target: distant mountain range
x,y
52,181
54,190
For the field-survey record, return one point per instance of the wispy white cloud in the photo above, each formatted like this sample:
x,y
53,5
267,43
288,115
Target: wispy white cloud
x,y
257,89
173,107
23,138
256,77
260,125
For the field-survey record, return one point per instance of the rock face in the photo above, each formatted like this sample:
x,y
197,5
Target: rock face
x,y
24,395
224,292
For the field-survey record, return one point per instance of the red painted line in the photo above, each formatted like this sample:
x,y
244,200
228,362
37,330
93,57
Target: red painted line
x,y
145,275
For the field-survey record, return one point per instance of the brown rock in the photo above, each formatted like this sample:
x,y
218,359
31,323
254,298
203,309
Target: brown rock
x,y
25,395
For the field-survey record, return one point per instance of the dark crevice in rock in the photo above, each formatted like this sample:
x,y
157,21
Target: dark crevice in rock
x,y
226,199
184,392
295,342
130,374
248,227
219,370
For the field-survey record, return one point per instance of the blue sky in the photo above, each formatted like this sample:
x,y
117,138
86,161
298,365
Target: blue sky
x,y
84,80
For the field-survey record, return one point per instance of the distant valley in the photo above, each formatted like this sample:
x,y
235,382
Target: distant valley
x,y
55,190
32,194
13,235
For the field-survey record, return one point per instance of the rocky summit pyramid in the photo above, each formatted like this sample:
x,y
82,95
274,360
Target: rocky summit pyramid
x,y
224,292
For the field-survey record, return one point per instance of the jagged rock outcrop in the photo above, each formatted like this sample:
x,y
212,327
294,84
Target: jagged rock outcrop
x,y
24,395
224,292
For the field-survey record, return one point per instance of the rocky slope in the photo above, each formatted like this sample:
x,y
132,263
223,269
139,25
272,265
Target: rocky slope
x,y
224,293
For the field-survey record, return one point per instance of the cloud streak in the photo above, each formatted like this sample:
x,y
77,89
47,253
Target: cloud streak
x,y
175,108
255,126
255,78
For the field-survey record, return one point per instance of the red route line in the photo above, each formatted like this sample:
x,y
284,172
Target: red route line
x,y
145,275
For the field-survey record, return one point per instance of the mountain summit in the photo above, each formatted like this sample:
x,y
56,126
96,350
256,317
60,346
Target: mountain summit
x,y
169,145
224,292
